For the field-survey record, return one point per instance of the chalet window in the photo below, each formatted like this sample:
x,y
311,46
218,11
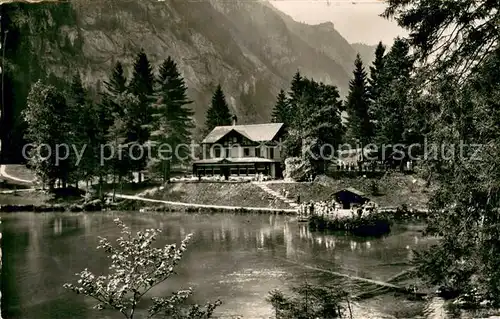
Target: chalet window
x,y
235,139
271,153
217,152
257,152
246,152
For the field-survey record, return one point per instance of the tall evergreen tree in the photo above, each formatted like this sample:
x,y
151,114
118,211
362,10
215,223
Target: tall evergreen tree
x,y
117,82
375,71
174,101
142,86
323,126
296,96
393,101
281,111
218,114
357,105
173,123
375,81
82,126
140,116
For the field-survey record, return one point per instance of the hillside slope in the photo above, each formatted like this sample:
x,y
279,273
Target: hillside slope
x,y
249,47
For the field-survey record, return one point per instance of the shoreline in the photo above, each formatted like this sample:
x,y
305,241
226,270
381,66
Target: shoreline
x,y
165,206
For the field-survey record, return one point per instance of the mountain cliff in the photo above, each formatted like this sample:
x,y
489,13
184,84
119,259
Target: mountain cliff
x,y
366,52
249,47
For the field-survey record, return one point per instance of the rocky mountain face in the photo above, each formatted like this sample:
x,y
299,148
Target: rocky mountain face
x,y
366,52
249,47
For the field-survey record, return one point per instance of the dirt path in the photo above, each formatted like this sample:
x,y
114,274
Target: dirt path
x,y
4,173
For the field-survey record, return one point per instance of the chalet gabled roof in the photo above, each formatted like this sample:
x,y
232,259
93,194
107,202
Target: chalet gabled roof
x,y
254,132
351,190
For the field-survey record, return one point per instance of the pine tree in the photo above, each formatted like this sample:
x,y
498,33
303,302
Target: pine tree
x,y
82,126
281,111
357,105
218,114
173,118
173,93
117,83
323,126
393,102
142,86
375,82
296,86
105,116
375,72
139,121
296,95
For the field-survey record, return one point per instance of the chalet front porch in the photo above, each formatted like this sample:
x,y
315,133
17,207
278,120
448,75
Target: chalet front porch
x,y
236,167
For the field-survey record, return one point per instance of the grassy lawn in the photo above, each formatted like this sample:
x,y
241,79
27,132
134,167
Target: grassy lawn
x,y
24,198
128,188
394,189
6,184
226,194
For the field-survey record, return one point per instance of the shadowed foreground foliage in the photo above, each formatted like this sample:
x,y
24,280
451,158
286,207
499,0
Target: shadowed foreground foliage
x,y
308,302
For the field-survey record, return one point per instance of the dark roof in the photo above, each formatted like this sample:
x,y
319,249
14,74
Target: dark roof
x,y
254,132
351,190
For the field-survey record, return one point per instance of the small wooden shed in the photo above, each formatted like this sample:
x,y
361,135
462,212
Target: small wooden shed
x,y
350,197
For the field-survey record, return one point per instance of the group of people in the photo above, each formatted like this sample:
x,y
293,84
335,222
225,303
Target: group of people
x,y
334,208
319,208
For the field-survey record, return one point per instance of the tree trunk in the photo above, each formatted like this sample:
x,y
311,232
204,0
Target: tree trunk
x,y
120,180
114,184
101,195
168,171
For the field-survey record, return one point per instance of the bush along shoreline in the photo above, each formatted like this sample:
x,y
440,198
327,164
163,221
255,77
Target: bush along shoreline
x,y
130,205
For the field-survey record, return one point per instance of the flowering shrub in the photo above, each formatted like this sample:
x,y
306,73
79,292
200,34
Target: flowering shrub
x,y
136,267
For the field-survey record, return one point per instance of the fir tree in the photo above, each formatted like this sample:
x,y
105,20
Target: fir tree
x,y
139,121
142,86
375,71
281,111
117,83
357,105
393,102
296,86
323,127
296,95
173,95
173,122
375,81
82,128
218,114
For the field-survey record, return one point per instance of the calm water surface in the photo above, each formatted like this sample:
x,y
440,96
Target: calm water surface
x,y
236,258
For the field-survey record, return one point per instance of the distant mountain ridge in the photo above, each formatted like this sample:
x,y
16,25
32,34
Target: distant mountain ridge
x,y
251,48
366,51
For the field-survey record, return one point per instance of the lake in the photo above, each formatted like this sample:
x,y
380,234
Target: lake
x,y
237,258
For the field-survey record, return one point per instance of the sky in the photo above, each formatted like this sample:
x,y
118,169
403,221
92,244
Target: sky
x,y
358,22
